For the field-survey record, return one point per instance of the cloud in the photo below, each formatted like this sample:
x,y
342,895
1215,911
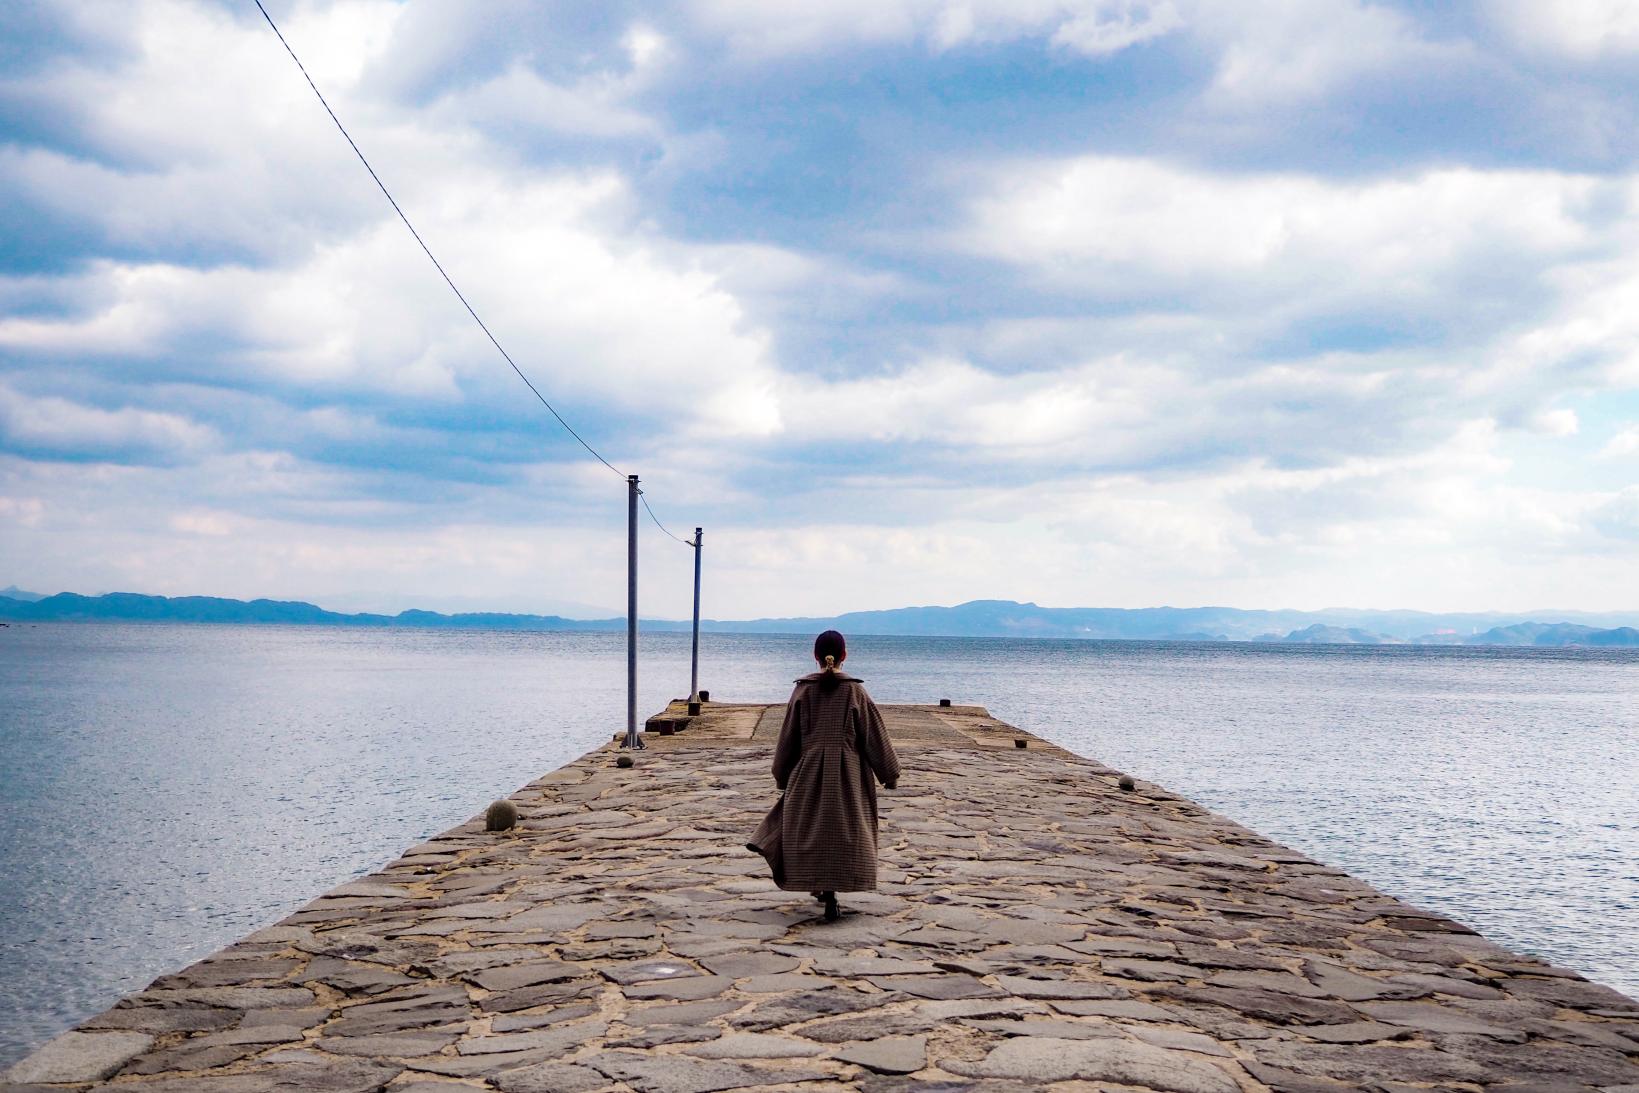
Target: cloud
x,y
253,170
1592,318
1095,301
1578,29
56,427
161,169
1436,527
1091,27
520,98
1102,221
1623,443
90,527
955,404
1485,290
1271,54
203,523
627,322
1112,28
527,98
1561,422
1618,518
1263,55
23,511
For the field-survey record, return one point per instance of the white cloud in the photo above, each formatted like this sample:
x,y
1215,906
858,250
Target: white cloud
x,y
1623,443
1099,221
1531,272
139,105
1096,409
591,308
23,511
1138,407
645,46
58,427
1265,55
326,292
111,527
598,103
1270,54
1561,422
1592,318
1441,527
1091,27
1112,28
1579,29
160,164
204,523
1618,518
521,98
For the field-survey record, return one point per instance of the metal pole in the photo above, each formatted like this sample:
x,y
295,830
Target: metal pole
x,y
632,739
694,649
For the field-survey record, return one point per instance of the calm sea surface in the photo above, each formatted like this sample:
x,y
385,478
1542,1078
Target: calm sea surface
x,y
166,789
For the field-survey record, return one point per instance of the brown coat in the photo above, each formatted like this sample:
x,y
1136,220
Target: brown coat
x,y
831,744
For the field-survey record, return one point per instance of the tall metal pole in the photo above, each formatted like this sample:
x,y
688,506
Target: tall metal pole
x,y
694,649
632,739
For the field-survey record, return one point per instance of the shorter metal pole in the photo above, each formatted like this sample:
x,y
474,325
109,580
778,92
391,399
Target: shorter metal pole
x,y
694,650
632,492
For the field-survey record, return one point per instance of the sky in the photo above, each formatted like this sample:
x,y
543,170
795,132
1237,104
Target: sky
x,y
1083,302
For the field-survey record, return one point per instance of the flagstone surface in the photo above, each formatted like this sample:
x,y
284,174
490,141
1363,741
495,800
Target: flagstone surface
x,y
1038,927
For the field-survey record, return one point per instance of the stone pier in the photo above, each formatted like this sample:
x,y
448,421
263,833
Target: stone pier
x,y
1038,927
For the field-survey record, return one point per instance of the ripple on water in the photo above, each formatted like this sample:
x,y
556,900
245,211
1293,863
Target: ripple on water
x,y
168,789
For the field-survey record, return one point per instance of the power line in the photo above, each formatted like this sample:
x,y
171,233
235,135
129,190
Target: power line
x,y
658,524
436,264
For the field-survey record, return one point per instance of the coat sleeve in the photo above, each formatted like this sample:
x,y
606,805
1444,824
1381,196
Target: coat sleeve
x,y
789,748
877,748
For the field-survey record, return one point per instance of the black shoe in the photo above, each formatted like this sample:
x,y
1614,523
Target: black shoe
x,y
832,911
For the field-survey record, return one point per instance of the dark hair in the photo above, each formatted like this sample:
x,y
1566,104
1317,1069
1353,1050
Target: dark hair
x,y
829,649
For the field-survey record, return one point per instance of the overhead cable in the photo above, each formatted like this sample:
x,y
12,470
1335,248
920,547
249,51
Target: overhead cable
x,y
658,524
428,250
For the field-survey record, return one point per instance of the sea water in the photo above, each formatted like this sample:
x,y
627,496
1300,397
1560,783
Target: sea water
x,y
166,789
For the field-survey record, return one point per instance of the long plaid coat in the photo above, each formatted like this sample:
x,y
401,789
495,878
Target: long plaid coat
x,y
831,745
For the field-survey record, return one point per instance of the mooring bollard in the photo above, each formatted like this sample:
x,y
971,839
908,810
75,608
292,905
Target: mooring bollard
x,y
694,709
502,816
705,696
667,728
944,703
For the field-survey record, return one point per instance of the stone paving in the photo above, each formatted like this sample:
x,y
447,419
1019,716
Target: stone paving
x,y
1038,927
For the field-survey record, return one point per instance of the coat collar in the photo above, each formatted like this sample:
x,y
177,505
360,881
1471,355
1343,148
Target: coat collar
x,y
839,675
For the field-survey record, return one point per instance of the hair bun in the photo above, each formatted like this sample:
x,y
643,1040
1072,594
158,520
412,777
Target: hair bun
x,y
830,650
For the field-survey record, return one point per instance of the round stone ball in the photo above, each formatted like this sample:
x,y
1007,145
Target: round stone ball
x,y
502,816
623,761
1126,782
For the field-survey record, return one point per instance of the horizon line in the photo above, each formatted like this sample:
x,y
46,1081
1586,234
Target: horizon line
x,y
615,615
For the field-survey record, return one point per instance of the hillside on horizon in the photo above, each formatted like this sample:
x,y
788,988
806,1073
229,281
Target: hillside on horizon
x,y
976,618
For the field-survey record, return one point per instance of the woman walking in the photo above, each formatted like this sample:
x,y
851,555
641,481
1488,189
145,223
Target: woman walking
x,y
820,837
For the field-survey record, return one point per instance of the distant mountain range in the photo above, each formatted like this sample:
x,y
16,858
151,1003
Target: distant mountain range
x,y
979,618
134,607
1524,633
1562,633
